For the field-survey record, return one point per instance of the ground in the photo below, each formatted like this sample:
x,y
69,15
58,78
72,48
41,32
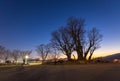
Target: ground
x,y
86,72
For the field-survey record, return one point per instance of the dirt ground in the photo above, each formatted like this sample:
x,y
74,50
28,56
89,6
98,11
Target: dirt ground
x,y
91,72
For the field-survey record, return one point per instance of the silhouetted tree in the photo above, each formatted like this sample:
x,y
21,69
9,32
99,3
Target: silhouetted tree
x,y
63,41
83,44
94,40
74,37
4,53
76,31
43,50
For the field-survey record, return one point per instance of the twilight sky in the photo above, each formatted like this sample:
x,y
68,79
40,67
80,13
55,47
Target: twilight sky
x,y
24,24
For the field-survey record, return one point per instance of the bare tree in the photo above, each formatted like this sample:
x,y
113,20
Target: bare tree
x,y
6,54
16,55
43,50
2,49
63,41
94,40
55,53
76,31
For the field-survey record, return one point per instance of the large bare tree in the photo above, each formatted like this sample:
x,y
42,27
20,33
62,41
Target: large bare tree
x,y
85,43
74,37
76,31
63,41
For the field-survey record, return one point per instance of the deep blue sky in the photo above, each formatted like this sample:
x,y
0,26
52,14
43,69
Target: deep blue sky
x,y
24,24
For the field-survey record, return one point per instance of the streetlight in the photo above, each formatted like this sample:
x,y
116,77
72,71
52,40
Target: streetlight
x,y
26,59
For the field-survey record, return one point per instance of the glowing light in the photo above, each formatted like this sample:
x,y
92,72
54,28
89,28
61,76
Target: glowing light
x,y
26,56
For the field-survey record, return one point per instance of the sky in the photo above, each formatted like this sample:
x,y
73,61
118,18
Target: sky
x,y
25,24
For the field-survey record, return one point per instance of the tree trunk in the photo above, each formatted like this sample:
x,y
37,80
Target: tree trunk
x,y
80,55
90,57
91,53
69,57
23,61
86,53
85,57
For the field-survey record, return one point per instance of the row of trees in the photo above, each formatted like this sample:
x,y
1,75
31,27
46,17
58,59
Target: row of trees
x,y
45,51
6,54
73,37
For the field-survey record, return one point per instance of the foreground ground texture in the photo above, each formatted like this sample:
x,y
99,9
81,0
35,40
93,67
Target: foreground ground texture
x,y
91,72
